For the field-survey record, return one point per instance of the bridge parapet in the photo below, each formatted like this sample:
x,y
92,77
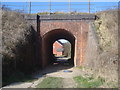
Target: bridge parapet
x,y
67,17
61,17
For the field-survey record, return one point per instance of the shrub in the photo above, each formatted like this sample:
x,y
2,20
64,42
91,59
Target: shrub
x,y
107,29
18,41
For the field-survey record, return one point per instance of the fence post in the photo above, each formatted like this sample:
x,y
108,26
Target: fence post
x,y
69,6
29,7
89,6
23,9
49,7
1,4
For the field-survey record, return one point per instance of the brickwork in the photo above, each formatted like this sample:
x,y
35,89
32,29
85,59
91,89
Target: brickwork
x,y
79,29
57,46
50,28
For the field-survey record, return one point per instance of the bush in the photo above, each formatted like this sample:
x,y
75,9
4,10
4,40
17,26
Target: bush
x,y
102,48
107,29
18,41
107,33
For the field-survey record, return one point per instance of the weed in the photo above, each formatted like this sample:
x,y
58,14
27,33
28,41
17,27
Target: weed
x,y
50,82
81,67
88,82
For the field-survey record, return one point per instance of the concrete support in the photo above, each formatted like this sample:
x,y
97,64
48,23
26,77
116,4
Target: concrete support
x,y
75,54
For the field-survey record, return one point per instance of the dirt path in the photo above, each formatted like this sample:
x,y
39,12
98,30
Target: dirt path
x,y
69,83
52,71
24,84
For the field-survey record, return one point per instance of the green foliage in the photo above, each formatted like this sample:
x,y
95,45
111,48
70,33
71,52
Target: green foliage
x,y
88,82
50,82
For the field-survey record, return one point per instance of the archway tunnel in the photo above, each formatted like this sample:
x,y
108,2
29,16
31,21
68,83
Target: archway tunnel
x,y
47,45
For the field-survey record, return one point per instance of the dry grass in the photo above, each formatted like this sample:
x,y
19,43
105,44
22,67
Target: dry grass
x,y
13,29
107,29
106,64
18,44
61,13
103,60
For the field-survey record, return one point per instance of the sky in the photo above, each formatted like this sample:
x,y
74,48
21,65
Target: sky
x,y
60,0
37,7
63,40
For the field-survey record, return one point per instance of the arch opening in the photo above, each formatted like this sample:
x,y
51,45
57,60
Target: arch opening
x,y
62,52
47,46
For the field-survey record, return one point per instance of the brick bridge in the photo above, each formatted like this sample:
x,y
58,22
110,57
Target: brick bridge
x,y
50,28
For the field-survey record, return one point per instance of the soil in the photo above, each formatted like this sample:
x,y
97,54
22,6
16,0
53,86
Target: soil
x,y
55,70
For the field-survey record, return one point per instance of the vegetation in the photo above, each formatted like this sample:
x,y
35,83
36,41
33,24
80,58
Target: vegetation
x,y
107,34
88,82
67,49
107,29
81,67
50,82
17,46
60,13
106,53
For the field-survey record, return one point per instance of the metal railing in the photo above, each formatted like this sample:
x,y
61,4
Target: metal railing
x,y
52,7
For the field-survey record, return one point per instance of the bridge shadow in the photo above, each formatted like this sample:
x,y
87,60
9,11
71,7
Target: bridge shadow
x,y
59,65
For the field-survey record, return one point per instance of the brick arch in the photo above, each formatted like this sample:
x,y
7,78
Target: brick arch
x,y
77,25
77,28
47,44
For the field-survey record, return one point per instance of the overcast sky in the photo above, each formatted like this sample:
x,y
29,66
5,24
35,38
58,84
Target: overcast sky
x,y
63,40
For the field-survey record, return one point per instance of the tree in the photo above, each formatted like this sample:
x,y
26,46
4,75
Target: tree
x,y
67,49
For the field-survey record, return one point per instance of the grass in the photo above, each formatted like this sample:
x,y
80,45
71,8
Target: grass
x,y
88,82
60,13
50,82
80,67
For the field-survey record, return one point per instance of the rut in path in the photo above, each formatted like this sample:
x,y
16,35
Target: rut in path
x,y
69,83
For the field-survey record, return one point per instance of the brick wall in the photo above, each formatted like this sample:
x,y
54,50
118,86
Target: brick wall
x,y
79,29
57,46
